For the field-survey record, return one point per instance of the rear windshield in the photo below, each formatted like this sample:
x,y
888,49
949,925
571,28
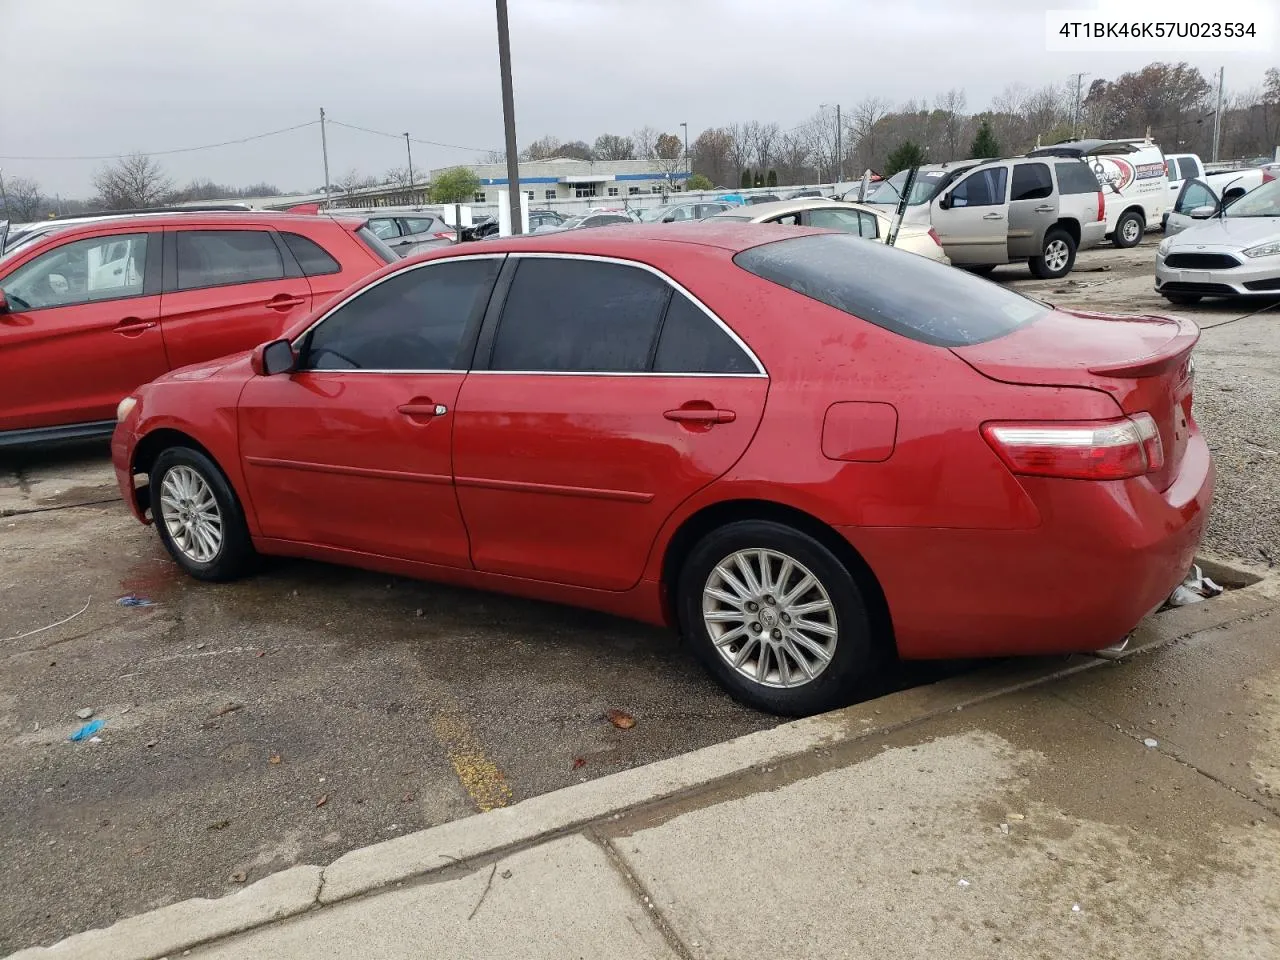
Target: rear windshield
x,y
917,298
1076,176
380,249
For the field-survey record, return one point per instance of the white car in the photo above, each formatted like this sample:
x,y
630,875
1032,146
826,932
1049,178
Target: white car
x,y
857,218
1231,252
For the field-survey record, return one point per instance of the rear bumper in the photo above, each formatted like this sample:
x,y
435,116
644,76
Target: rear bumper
x,y
1092,234
1104,556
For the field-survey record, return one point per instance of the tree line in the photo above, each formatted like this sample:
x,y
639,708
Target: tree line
x,y
1174,101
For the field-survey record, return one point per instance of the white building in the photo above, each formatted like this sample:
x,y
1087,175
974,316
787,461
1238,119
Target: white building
x,y
564,178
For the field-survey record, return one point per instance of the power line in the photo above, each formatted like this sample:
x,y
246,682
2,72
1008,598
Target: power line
x,y
400,136
165,153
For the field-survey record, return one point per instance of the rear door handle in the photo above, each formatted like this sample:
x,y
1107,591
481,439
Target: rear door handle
x,y
993,216
700,415
132,326
1044,208
424,409
285,301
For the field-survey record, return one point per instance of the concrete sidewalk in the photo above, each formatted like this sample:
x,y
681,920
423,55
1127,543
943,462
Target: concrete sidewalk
x,y
1046,808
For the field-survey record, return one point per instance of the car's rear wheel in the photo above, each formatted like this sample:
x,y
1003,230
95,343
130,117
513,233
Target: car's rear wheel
x,y
1129,229
198,516
1182,299
1057,257
776,618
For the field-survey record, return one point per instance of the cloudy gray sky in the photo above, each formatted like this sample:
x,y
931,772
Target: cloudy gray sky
x,y
113,76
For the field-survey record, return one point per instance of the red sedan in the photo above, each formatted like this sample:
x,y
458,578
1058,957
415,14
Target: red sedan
x,y
806,451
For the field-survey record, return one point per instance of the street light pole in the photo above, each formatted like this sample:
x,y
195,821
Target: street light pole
x,y
509,117
688,162
409,150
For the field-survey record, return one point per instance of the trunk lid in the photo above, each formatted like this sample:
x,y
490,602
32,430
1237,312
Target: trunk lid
x,y
1144,362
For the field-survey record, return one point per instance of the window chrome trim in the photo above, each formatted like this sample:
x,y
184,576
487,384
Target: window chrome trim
x,y
761,372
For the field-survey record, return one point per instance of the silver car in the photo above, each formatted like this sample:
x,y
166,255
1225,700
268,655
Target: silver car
x,y
1230,253
857,218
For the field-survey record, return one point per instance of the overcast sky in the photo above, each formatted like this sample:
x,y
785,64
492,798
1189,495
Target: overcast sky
x,y
113,76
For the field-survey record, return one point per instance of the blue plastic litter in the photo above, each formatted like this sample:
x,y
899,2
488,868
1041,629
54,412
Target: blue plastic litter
x,y
133,600
88,730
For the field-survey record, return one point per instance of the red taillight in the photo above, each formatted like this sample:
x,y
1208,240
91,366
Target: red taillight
x,y
1079,450
1267,175
1102,206
444,236
933,234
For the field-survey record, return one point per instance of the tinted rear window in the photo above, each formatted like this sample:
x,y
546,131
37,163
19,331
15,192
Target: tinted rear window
x,y
1075,176
312,258
899,291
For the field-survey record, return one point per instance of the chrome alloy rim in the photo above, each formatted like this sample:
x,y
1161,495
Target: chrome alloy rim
x,y
190,514
770,618
1056,254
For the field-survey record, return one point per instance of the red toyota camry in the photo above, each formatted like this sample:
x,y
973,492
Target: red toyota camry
x,y
805,451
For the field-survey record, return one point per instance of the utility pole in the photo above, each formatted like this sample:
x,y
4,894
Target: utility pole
x,y
4,197
1075,112
688,164
839,153
409,150
324,150
509,117
1217,115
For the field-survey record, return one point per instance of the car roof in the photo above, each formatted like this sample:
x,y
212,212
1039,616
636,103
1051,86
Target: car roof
x,y
263,218
793,206
631,240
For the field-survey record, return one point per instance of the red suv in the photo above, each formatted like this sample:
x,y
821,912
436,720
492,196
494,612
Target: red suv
x,y
94,310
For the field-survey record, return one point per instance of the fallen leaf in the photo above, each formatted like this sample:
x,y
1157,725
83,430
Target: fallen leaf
x,y
220,825
240,877
621,719
274,758
506,874
324,798
579,763
407,798
262,653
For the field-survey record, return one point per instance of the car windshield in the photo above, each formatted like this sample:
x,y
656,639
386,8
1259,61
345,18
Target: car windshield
x,y
1262,202
922,191
572,222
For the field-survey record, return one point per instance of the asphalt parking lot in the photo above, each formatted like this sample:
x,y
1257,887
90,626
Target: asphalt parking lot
x,y
315,709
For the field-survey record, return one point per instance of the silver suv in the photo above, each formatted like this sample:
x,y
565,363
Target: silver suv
x,y
988,212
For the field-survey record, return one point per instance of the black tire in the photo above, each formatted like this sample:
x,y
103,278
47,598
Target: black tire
x,y
1129,229
235,555
1052,264
853,661
983,270
1182,299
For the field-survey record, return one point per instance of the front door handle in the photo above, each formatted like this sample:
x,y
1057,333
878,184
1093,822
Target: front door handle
x,y
422,409
132,326
993,216
1044,208
285,301
700,415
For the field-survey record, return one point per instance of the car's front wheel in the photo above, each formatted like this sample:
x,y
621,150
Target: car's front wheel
x,y
776,618
1129,229
198,516
1057,257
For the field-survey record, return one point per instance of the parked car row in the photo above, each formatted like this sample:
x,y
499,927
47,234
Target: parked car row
x,y
764,436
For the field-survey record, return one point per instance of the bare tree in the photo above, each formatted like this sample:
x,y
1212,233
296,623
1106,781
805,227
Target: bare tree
x,y
397,177
610,146
22,199
793,158
740,147
645,140
544,148
866,115
711,156
132,182
764,143
951,105
667,151
354,180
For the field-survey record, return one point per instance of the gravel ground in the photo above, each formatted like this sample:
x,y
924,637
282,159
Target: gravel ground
x,y
1237,399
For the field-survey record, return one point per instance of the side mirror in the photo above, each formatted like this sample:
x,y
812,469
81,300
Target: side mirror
x,y
4,303
945,202
1203,213
268,359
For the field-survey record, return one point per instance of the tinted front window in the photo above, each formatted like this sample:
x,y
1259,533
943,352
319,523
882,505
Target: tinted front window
x,y
83,271
416,320
579,316
982,189
1075,176
692,342
311,257
1031,181
907,294
210,258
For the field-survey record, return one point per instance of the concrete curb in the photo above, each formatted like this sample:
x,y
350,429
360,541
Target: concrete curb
x,y
184,925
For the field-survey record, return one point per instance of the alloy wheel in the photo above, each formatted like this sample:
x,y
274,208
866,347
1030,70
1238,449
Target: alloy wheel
x,y
770,618
1056,255
191,515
